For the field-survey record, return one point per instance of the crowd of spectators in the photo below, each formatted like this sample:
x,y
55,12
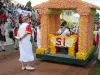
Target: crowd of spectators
x,y
10,18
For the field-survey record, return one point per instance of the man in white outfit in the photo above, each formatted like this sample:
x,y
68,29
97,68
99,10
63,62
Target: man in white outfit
x,y
99,46
25,46
63,31
39,36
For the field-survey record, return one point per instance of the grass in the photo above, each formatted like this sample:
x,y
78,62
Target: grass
x,y
95,70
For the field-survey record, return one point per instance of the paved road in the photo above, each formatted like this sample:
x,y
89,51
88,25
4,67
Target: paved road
x,y
9,65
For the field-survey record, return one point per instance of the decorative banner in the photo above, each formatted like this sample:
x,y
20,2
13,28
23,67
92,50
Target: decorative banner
x,y
69,42
23,12
63,41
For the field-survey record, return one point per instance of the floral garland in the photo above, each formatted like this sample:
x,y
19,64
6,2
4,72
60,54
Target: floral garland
x,y
84,55
71,50
51,46
41,50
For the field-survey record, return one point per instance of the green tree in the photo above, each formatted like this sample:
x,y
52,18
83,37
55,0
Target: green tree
x,y
96,21
97,17
28,4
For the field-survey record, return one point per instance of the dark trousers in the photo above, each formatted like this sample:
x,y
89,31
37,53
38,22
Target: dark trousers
x,y
11,36
61,49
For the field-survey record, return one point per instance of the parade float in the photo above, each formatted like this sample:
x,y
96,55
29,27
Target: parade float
x,y
50,22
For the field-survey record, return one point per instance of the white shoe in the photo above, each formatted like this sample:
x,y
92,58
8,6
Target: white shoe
x,y
23,68
29,68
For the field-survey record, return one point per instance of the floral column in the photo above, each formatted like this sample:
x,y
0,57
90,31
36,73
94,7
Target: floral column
x,y
83,37
85,42
54,23
44,30
50,23
91,27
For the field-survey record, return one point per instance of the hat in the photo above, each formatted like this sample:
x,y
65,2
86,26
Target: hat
x,y
63,23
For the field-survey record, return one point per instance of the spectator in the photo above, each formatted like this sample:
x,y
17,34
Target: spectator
x,y
20,19
39,36
11,34
2,36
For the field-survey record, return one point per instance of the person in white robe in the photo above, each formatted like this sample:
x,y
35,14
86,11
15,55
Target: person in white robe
x,y
99,45
32,34
25,46
39,36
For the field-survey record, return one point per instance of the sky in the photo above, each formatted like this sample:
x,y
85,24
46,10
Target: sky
x,y
35,2
95,2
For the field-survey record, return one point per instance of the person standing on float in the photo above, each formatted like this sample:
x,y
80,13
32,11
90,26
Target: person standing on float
x,y
63,31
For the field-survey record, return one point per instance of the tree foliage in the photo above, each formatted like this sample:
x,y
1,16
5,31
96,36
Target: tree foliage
x,y
97,17
28,4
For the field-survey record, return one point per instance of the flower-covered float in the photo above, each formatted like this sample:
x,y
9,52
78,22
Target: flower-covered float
x,y
50,22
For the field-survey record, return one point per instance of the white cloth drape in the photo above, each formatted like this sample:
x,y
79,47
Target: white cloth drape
x,y
38,37
25,46
99,46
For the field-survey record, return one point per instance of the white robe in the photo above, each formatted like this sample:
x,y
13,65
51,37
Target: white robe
x,y
25,46
95,34
33,34
38,37
99,46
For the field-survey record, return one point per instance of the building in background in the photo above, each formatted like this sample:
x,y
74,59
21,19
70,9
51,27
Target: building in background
x,y
71,16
